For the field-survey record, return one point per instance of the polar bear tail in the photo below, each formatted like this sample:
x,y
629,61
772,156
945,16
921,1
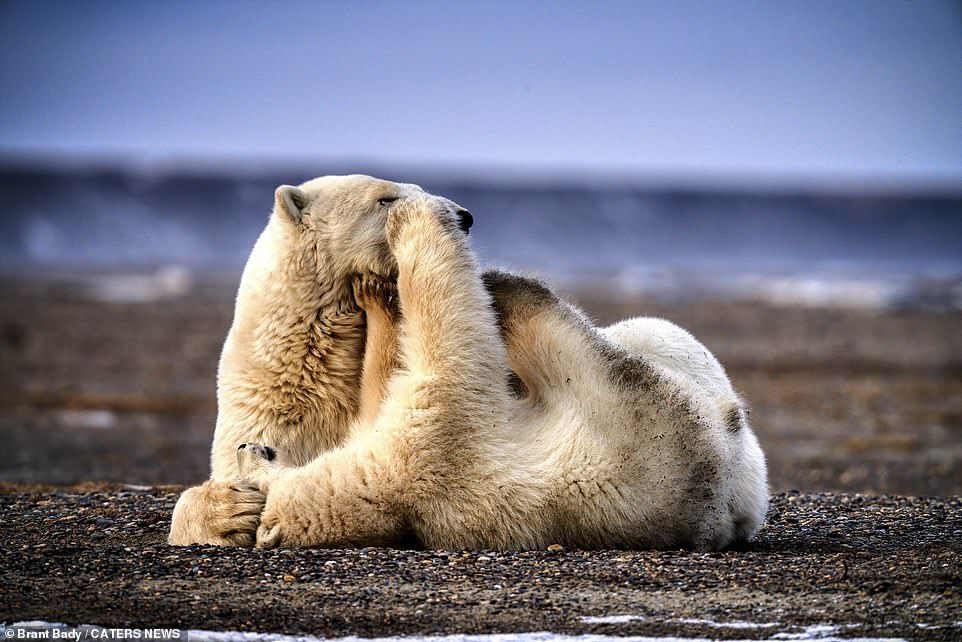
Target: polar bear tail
x,y
735,414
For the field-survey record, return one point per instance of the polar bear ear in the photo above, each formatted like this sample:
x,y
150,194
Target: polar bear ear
x,y
291,201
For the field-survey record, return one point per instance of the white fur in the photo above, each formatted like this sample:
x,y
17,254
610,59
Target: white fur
x,y
626,437
676,352
290,367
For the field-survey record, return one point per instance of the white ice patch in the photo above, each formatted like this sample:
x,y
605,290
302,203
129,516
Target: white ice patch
x,y
612,619
726,625
542,636
814,632
817,288
625,619
821,633
814,292
137,487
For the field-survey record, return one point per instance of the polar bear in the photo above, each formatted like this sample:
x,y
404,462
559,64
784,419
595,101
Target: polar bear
x,y
510,422
290,367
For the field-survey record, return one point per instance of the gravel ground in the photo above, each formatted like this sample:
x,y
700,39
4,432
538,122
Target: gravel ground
x,y
870,565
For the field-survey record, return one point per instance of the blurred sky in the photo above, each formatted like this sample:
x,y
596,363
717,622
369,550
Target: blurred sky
x,y
781,89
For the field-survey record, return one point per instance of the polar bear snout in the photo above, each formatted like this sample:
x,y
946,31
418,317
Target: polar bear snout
x,y
465,220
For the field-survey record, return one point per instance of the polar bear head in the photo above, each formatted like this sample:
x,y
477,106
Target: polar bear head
x,y
339,223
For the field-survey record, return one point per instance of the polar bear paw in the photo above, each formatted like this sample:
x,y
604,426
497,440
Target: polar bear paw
x,y
421,218
270,533
376,294
282,527
217,512
256,464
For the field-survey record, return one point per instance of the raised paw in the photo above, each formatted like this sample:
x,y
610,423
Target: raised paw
x,y
424,218
376,294
256,464
216,512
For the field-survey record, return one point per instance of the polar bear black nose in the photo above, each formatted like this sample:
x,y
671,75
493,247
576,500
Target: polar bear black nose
x,y
465,220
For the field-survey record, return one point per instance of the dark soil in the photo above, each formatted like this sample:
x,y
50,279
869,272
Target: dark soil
x,y
872,566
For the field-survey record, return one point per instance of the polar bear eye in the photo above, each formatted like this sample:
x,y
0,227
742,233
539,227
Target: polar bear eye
x,y
383,202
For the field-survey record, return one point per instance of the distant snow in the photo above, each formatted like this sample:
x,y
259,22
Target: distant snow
x,y
166,283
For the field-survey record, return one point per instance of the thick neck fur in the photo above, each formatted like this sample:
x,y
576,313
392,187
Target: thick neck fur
x,y
293,354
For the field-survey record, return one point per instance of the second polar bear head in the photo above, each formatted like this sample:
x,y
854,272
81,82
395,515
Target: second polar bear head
x,y
340,222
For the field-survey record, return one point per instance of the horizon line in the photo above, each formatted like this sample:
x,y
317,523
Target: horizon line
x,y
506,174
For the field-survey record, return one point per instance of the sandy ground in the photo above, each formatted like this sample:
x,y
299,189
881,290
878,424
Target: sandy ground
x,y
844,402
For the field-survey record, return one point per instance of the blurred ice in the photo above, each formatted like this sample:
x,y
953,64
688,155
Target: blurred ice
x,y
852,249
166,283
815,289
92,419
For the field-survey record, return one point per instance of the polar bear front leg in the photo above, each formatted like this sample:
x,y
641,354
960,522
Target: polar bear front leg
x,y
225,513
345,497
450,404
449,329
341,498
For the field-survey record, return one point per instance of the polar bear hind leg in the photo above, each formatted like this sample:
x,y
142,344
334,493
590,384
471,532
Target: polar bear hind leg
x,y
695,474
676,350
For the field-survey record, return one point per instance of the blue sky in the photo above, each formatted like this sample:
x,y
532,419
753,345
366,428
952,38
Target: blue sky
x,y
782,89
